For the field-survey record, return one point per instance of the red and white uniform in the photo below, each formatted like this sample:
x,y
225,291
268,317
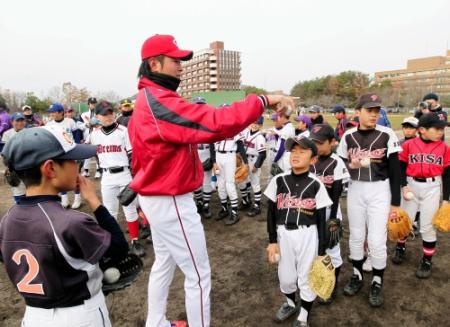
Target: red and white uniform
x,y
164,131
426,162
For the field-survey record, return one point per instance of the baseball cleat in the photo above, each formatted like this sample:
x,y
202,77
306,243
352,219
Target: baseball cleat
x,y
424,269
367,265
299,323
222,213
353,286
399,255
76,202
244,205
98,174
376,295
144,232
254,211
285,312
206,212
233,218
137,248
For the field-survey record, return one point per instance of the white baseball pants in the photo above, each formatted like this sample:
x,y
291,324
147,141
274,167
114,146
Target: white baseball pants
x,y
178,240
225,180
368,205
298,249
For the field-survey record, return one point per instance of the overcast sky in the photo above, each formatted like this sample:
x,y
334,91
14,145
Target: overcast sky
x,y
96,43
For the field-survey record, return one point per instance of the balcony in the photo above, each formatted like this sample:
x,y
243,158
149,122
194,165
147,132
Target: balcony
x,y
213,79
212,65
213,86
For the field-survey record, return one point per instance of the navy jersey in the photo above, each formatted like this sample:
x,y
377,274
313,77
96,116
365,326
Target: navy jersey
x,y
51,254
375,144
329,169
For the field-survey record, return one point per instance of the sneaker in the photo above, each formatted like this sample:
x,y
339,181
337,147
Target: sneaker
x,y
206,212
199,205
367,265
285,312
98,174
254,211
353,286
178,323
424,269
65,200
298,323
85,173
76,202
244,205
399,255
376,295
233,218
137,248
222,213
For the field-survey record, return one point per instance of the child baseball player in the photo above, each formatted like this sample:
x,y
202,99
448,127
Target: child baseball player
x,y
286,131
51,254
297,227
425,171
18,123
332,172
86,117
272,137
225,165
255,147
370,152
56,111
114,153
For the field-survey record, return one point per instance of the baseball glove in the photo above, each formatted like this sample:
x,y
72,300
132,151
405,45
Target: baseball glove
x,y
241,173
129,268
334,227
11,178
399,225
207,164
275,169
126,196
441,219
321,277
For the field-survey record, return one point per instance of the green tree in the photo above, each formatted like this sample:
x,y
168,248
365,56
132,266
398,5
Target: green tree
x,y
253,90
37,104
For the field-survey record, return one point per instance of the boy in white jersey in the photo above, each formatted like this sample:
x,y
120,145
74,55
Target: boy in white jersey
x,y
255,148
114,153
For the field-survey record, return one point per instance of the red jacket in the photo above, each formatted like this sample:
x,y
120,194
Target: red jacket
x,y
165,129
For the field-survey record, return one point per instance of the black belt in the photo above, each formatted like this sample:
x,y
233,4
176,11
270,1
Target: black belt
x,y
424,180
294,226
275,150
226,151
115,170
201,147
251,155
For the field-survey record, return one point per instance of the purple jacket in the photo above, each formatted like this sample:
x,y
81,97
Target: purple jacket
x,y
5,122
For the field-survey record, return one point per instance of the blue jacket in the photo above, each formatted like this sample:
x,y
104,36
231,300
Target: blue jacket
x,y
383,120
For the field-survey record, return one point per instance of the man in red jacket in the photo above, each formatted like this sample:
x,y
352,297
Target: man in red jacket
x,y
164,131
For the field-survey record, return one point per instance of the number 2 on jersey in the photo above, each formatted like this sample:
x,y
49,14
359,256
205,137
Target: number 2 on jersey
x,y
25,285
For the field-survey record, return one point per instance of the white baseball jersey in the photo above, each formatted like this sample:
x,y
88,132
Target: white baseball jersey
x,y
254,143
7,135
112,147
229,144
287,131
67,124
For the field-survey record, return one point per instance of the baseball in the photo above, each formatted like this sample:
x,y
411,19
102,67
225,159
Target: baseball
x,y
365,162
111,275
276,258
409,195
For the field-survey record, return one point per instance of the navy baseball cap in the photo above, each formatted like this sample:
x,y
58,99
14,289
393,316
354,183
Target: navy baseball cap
x,y
338,108
199,100
321,133
56,107
17,116
103,108
368,100
33,146
304,143
92,100
432,119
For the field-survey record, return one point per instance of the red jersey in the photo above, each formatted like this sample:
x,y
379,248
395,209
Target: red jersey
x,y
425,160
165,129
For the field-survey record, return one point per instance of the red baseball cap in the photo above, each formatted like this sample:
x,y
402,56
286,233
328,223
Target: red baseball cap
x,y
166,45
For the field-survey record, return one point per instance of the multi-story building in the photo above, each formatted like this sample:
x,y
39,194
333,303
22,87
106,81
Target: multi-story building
x,y
430,74
210,70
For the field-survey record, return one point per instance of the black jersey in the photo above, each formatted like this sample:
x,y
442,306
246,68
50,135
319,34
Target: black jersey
x,y
329,169
297,198
376,145
51,254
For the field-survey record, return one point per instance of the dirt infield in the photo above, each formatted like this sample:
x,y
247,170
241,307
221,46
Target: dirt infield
x,y
245,288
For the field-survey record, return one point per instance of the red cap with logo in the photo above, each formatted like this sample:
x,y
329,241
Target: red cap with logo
x,y
166,45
